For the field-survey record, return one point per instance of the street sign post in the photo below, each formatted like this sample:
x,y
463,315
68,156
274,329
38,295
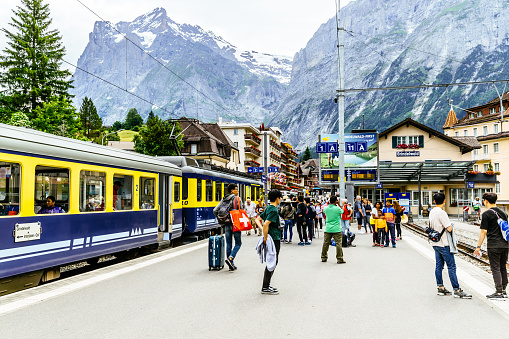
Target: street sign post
x,y
327,147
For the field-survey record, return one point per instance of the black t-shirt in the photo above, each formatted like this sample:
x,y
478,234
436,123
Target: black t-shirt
x,y
489,223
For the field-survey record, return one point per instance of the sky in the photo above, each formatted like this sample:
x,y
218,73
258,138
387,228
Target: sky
x,y
280,27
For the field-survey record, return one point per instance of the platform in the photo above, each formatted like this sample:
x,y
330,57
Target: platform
x,y
384,293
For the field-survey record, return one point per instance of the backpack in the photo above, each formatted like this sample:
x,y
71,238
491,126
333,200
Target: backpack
x,y
504,226
223,212
434,235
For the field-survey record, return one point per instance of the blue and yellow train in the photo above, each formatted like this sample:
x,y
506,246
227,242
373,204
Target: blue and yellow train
x,y
107,201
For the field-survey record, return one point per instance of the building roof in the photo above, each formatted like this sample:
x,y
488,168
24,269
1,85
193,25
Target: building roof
x,y
505,97
465,148
217,132
466,121
494,136
472,141
310,167
451,119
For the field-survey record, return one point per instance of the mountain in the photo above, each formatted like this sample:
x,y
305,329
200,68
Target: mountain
x,y
396,43
247,84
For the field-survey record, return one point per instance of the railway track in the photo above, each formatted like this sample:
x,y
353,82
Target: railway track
x,y
463,248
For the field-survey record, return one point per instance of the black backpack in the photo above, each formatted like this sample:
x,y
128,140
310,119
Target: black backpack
x,y
223,213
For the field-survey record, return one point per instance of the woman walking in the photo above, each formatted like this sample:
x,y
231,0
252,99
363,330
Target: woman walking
x,y
397,221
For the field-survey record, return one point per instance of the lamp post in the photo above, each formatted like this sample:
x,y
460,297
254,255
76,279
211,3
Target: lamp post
x,y
102,141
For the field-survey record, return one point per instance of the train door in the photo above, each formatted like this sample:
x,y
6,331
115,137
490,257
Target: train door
x,y
165,205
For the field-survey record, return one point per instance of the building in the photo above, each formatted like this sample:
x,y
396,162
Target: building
x,y
490,128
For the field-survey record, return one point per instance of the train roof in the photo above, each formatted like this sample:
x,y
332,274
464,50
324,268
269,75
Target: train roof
x,y
190,165
25,140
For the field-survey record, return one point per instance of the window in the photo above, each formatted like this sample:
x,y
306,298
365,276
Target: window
x,y
219,190
198,189
235,132
485,130
401,140
493,110
497,188
194,149
253,193
475,131
465,132
414,139
485,149
147,193
367,193
495,147
51,182
457,134
176,191
495,128
10,184
486,167
92,191
479,114
457,195
122,192
497,167
476,151
185,188
236,144
476,168
208,190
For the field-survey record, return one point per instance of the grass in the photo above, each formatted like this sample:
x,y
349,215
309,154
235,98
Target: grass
x,y
127,135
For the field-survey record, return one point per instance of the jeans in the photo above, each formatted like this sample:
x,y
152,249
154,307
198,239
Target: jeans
x,y
267,275
288,225
310,224
345,225
381,236
326,243
391,230
498,260
444,255
301,228
398,229
228,232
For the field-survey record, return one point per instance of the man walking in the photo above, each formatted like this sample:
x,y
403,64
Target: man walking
x,y
251,214
439,220
497,246
359,213
333,230
301,221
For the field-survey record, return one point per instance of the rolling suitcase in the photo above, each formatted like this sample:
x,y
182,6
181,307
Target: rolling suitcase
x,y
216,252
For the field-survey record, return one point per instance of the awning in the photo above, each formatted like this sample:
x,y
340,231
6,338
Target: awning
x,y
428,171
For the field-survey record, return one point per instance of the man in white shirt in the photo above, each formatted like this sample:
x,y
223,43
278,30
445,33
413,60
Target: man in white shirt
x,y
439,221
251,214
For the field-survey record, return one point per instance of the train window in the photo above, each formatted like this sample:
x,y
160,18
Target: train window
x,y
10,183
176,192
242,192
253,193
198,190
208,190
92,191
219,190
51,190
147,193
122,192
185,188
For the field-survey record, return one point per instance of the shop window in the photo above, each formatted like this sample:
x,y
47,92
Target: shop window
x,y
147,193
122,192
219,190
208,190
92,191
52,183
10,184
176,192
198,189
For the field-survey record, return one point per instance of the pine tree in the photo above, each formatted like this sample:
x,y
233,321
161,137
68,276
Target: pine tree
x,y
154,138
307,155
90,120
31,62
116,126
150,116
132,119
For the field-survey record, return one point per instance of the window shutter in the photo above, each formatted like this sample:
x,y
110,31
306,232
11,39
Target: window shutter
x,y
421,141
394,142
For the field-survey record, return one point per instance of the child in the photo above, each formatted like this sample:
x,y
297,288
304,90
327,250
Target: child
x,y
380,224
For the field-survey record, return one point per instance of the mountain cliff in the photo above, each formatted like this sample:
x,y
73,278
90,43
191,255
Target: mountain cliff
x,y
247,84
396,43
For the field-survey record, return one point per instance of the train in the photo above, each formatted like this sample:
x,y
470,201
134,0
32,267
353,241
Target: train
x,y
106,202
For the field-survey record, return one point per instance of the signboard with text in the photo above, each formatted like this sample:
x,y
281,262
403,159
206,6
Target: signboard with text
x,y
361,150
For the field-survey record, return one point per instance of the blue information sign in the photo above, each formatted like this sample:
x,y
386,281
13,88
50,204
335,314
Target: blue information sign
x,y
264,179
327,147
261,169
356,147
273,169
380,186
470,184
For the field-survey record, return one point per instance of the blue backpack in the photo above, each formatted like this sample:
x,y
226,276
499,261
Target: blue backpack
x,y
504,226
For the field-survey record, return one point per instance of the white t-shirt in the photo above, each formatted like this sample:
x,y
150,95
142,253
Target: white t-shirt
x,y
250,209
438,220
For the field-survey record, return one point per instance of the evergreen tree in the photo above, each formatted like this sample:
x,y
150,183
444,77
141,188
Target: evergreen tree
x,y
116,126
31,63
133,119
19,119
90,120
6,109
58,117
154,138
307,155
150,115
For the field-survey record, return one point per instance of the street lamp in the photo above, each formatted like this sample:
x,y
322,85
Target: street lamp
x,y
102,142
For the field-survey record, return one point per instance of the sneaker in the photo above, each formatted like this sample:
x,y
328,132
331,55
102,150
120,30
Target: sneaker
x,y
505,294
496,296
269,290
386,245
459,293
301,244
274,289
443,291
248,233
352,245
229,262
393,246
289,241
308,243
324,260
341,262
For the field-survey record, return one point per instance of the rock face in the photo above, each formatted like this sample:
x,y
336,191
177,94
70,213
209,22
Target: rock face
x,y
234,84
396,43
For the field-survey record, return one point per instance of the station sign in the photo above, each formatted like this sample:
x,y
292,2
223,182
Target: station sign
x,y
262,169
356,147
408,153
27,231
264,179
470,184
380,186
327,147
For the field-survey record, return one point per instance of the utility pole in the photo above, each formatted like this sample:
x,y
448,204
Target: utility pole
x,y
341,104
265,166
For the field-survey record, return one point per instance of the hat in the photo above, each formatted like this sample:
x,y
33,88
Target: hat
x,y
288,200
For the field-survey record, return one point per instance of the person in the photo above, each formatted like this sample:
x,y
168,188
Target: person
x,y
333,230
359,212
497,246
232,197
50,207
117,201
380,227
389,214
319,214
288,215
346,216
397,221
260,207
301,221
367,215
476,205
310,219
270,226
439,220
250,209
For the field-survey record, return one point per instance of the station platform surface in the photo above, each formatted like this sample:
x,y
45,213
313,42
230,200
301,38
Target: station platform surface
x,y
379,292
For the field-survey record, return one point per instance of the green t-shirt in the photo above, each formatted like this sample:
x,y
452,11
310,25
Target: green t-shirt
x,y
333,218
272,215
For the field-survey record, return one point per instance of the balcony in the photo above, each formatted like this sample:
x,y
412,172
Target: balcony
x,y
275,145
274,156
254,151
285,169
284,148
482,178
251,163
251,138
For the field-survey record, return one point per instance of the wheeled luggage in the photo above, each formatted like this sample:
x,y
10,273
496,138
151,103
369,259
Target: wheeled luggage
x,y
216,252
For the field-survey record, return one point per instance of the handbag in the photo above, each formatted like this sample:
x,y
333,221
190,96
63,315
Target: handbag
x,y
240,220
434,235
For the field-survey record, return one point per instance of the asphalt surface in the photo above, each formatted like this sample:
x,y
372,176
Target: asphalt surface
x,y
384,293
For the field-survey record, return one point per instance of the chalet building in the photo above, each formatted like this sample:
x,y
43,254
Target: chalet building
x,y
310,173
